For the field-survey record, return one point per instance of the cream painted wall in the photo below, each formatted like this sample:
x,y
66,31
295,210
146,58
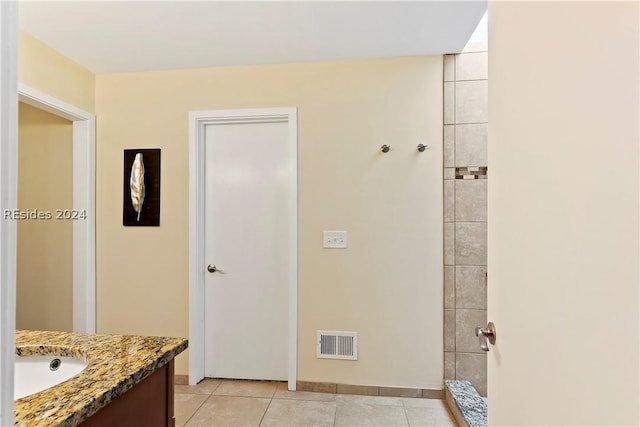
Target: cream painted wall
x,y
45,69
387,285
45,247
563,213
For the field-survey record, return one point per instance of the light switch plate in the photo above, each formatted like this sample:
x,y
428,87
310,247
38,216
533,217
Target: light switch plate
x,y
334,239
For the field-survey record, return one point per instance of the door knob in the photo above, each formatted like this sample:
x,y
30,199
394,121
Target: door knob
x,y
211,268
486,334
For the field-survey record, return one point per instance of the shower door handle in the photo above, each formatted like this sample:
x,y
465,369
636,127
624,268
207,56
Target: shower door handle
x,y
484,335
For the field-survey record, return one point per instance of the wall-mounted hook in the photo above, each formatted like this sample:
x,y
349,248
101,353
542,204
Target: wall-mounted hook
x,y
385,148
422,147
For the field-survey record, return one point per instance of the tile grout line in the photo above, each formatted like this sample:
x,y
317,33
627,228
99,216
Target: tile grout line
x,y
466,123
209,395
468,222
473,352
471,80
467,265
406,416
455,246
268,406
194,412
455,212
265,412
455,215
453,222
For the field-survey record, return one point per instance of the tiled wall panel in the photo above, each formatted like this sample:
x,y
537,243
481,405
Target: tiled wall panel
x,y
470,144
465,214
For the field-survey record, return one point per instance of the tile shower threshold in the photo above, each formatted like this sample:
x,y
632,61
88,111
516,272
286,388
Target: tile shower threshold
x,y
467,406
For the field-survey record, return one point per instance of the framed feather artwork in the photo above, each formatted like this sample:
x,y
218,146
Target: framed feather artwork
x,y
141,188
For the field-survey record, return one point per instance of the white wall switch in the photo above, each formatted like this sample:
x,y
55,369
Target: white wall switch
x,y
334,239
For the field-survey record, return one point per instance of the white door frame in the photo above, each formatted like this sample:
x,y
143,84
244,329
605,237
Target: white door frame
x,y
84,198
8,200
197,122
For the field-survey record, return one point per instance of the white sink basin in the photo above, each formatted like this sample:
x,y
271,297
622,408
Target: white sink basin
x,y
37,373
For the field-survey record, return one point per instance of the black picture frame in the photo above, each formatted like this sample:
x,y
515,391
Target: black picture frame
x,y
150,214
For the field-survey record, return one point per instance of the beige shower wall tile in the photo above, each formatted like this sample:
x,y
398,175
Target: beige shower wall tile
x,y
471,102
449,145
471,287
449,365
449,286
466,323
470,200
449,173
449,330
449,103
449,68
473,368
449,199
471,243
471,145
472,66
449,244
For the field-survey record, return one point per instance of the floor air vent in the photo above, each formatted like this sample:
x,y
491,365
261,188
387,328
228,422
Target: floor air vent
x,y
337,345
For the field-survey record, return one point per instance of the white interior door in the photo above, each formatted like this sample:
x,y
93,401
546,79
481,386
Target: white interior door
x,y
563,213
247,240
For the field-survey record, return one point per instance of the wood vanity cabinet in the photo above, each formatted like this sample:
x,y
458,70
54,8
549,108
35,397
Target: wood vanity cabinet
x,y
148,404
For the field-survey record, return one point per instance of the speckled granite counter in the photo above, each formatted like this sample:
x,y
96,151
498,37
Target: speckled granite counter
x,y
115,364
471,406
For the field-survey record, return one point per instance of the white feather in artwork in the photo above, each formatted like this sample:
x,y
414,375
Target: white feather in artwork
x,y
136,183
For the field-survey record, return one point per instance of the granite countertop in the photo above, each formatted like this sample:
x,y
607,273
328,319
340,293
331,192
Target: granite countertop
x,y
115,364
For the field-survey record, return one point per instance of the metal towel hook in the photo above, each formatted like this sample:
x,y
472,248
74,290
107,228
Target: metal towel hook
x,y
422,147
385,148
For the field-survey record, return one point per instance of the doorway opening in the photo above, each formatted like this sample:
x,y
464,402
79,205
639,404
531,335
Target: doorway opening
x,y
83,201
44,283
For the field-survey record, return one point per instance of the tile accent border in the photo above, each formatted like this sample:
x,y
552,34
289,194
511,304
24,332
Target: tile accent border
x,y
368,390
471,172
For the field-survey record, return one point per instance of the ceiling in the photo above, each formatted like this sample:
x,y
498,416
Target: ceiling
x,y
126,36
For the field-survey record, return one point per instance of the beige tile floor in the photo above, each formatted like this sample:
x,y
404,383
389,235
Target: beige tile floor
x,y
257,403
